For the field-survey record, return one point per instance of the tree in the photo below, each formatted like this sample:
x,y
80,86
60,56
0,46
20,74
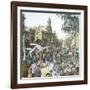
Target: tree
x,y
71,23
49,27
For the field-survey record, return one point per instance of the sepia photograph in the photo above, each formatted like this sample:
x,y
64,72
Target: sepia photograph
x,y
49,44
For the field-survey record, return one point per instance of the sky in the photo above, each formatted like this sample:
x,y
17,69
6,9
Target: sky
x,y
35,19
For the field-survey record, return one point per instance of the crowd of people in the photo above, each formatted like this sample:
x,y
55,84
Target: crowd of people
x,y
51,62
